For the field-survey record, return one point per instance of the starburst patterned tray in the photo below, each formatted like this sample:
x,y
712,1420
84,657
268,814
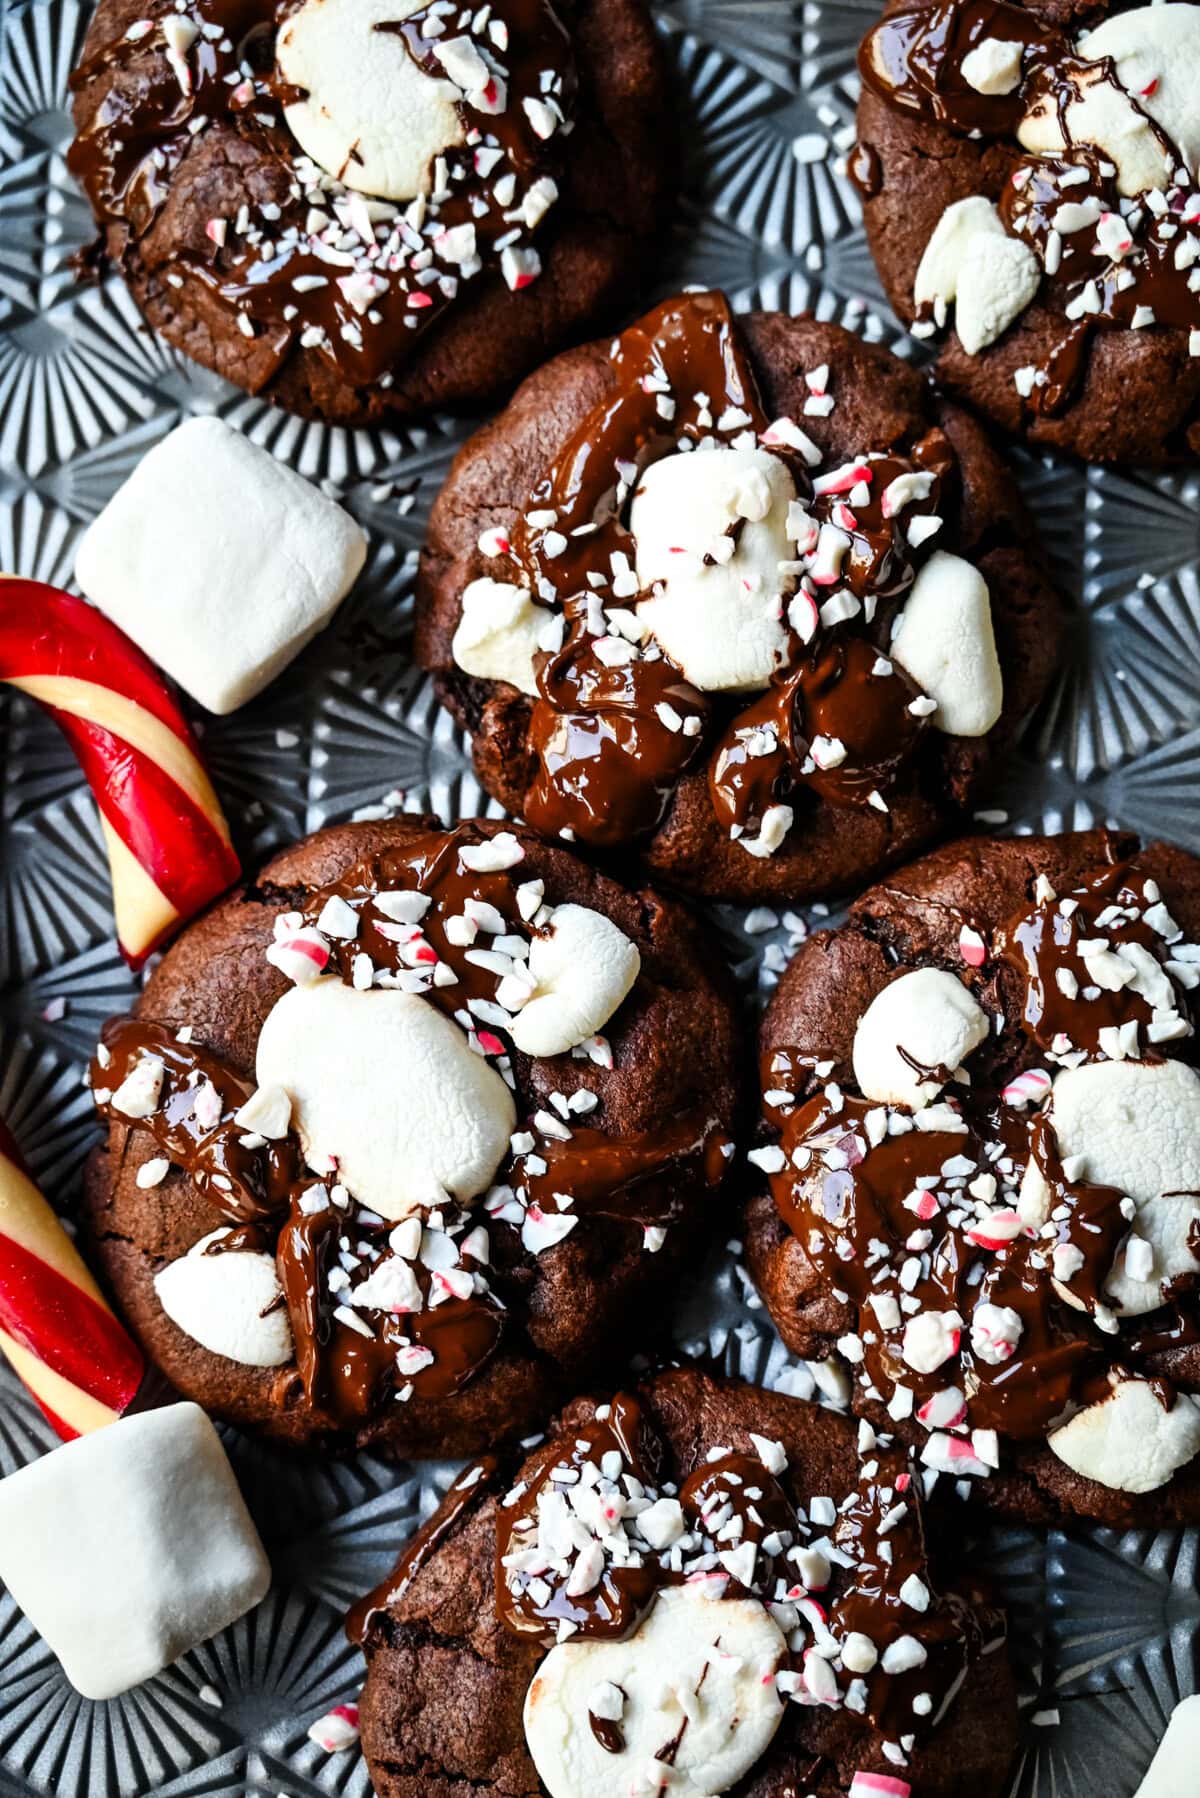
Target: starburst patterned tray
x,y
1106,1626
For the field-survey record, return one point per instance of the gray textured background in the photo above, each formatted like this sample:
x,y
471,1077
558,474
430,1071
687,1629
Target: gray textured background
x,y
1105,1626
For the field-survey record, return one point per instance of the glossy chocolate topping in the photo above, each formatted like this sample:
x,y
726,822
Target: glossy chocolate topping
x,y
300,259
465,1490
615,723
423,919
977,1310
1077,997
743,1536
1108,262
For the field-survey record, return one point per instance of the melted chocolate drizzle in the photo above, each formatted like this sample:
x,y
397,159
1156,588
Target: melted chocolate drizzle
x,y
279,1206
913,59
896,1216
733,1500
610,743
366,283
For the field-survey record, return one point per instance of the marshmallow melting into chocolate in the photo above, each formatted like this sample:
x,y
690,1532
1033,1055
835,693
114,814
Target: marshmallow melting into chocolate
x,y
684,1610
688,585
996,1240
358,1185
1099,215
399,151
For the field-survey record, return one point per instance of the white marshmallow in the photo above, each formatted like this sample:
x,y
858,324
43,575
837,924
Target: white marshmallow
x,y
1136,1126
994,288
993,66
1157,45
386,1086
129,1546
733,1645
372,118
219,562
954,241
497,635
1127,1441
231,1303
946,643
721,623
582,970
1104,115
971,260
1172,1772
930,1015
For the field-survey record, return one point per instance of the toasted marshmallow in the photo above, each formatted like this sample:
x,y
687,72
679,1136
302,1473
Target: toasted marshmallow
x,y
231,1303
691,1658
1128,1441
387,1094
497,635
946,643
1173,1770
711,531
933,1019
371,117
1136,1126
582,969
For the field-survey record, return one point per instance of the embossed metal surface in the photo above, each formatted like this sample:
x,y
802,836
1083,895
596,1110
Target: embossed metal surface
x,y
1106,1627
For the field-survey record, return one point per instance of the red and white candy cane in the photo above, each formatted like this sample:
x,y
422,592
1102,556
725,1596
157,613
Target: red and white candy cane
x,y
55,1328
168,843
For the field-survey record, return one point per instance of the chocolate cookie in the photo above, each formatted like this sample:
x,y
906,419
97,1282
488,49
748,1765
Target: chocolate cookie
x,y
358,208
698,1587
984,1162
400,1138
1033,167
742,596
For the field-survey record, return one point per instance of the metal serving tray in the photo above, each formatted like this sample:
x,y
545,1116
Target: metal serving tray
x,y
1106,1626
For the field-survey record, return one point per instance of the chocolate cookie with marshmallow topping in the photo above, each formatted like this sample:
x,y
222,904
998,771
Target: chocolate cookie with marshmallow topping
x,y
696,1587
400,1143
368,208
740,595
1031,173
982,1140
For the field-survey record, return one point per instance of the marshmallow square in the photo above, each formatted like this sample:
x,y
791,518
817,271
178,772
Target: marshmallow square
x,y
127,1547
219,562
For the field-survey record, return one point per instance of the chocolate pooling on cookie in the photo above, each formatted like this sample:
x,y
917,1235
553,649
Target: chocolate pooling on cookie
x,y
685,1608
395,152
359,1189
1099,215
1015,1224
687,586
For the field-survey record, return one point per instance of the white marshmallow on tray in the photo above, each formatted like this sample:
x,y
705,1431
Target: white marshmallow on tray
x,y
924,1020
369,117
219,562
719,614
1172,1772
1136,1126
1128,1440
946,643
707,1661
230,1302
129,1546
387,1095
583,967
